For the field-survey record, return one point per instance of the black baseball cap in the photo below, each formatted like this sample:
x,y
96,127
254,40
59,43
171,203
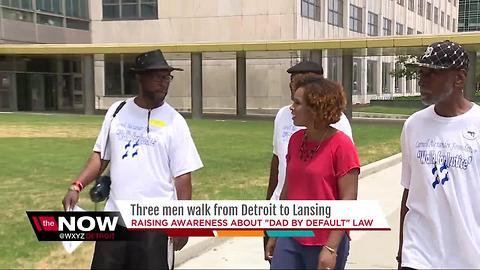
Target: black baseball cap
x,y
444,55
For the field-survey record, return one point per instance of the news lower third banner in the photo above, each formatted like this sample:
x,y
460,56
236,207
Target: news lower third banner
x,y
211,218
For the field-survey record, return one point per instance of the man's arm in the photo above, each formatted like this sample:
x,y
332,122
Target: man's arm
x,y
94,167
273,179
403,212
183,185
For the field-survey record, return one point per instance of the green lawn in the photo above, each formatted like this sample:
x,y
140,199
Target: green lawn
x,y
42,154
387,110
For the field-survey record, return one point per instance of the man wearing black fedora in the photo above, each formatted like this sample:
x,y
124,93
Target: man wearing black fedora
x,y
151,154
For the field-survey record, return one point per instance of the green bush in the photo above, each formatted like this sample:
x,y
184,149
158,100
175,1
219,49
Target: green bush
x,y
409,98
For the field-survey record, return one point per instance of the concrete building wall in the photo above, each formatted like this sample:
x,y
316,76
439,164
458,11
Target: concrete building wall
x,y
182,21
192,21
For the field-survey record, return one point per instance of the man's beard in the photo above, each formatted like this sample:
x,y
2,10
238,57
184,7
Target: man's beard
x,y
439,98
153,96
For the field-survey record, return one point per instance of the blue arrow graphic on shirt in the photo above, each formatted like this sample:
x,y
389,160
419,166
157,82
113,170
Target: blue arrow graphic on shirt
x,y
126,150
445,179
437,179
444,167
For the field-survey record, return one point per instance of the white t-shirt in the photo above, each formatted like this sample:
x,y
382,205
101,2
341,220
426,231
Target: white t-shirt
x,y
144,164
441,170
283,128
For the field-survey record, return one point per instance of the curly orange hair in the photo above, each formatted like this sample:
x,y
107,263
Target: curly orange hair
x,y
325,97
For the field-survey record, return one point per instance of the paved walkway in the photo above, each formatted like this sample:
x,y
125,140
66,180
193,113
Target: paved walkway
x,y
368,249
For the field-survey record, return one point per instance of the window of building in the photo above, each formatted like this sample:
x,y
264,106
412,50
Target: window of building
x,y
442,19
399,30
454,25
333,68
311,9
421,7
371,71
59,13
397,82
408,86
355,18
468,16
49,20
429,11
409,31
401,2
435,15
118,80
335,12
411,5
76,8
419,32
50,6
448,22
22,4
130,9
18,10
386,78
372,24
387,27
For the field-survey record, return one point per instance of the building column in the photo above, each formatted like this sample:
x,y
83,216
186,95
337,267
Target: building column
x,y
471,85
241,84
363,80
402,84
88,84
391,79
99,73
347,78
325,63
197,85
378,78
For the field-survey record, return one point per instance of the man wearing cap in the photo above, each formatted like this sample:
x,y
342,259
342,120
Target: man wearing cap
x,y
151,155
283,128
440,213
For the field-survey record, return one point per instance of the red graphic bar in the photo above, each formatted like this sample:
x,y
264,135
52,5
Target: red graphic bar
x,y
37,224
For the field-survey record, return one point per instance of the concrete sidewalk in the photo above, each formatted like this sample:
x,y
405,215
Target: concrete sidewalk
x,y
368,249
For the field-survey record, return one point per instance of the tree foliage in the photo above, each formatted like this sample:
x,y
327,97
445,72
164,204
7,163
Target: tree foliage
x,y
405,71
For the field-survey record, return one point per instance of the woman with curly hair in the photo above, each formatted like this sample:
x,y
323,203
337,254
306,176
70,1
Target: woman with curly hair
x,y
322,164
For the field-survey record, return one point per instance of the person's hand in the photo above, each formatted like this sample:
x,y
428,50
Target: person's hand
x,y
269,248
326,260
179,242
70,199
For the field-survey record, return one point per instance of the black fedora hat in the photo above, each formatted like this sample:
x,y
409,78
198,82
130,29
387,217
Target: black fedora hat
x,y
152,60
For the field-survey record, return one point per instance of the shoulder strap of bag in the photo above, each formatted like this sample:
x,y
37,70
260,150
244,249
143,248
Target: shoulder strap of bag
x,y
117,110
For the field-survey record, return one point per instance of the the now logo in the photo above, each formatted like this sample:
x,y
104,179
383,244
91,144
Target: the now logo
x,y
87,223
60,225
